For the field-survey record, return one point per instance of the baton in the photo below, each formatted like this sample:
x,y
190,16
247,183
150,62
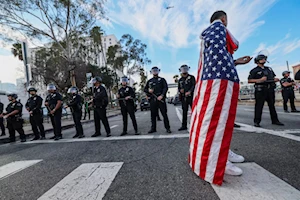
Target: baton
x,y
157,97
49,110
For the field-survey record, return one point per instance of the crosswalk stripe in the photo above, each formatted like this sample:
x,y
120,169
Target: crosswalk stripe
x,y
256,183
278,112
14,167
89,181
280,133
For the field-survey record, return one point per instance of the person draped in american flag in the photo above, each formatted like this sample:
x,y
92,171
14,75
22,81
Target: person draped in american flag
x,y
215,103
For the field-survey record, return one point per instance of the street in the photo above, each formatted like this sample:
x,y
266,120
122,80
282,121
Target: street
x,y
152,166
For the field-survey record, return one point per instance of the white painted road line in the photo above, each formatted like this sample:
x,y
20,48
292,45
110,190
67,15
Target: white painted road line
x,y
88,182
266,111
114,126
256,183
280,133
179,115
129,137
14,167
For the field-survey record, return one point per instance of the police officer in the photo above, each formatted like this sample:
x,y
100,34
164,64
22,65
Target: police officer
x,y
75,104
100,101
126,96
14,118
186,86
34,107
264,79
54,105
1,119
156,89
288,91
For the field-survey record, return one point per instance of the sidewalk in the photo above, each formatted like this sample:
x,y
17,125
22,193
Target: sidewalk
x,y
66,123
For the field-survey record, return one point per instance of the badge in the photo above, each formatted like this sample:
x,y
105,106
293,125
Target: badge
x,y
259,72
34,98
127,89
159,79
98,90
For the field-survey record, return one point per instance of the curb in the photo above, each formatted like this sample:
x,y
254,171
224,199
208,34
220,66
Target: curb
x,y
65,127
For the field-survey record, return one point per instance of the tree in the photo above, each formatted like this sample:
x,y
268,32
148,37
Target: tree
x,y
96,36
50,67
143,79
175,77
54,21
134,54
16,50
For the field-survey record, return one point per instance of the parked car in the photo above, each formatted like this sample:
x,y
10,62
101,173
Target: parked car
x,y
145,104
170,99
176,100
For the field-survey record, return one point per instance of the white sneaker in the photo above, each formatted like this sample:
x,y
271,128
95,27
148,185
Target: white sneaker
x,y
233,170
235,158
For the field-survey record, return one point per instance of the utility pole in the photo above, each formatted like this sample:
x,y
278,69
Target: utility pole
x,y
287,64
25,60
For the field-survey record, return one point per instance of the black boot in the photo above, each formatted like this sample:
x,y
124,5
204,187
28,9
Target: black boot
x,y
236,125
53,137
108,135
256,124
123,133
182,128
278,123
136,132
169,131
96,135
152,131
81,136
35,138
76,136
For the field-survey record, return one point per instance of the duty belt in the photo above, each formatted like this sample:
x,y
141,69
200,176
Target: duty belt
x,y
263,86
289,88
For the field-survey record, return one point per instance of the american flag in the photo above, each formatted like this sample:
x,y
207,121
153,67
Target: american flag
x,y
214,105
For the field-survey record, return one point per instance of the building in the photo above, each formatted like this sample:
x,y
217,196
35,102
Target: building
x,y
296,68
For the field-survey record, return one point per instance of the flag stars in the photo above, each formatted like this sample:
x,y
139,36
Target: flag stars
x,y
232,71
225,57
218,74
210,63
214,69
209,75
229,64
224,69
216,46
221,51
212,33
235,77
211,52
212,41
228,75
215,57
220,62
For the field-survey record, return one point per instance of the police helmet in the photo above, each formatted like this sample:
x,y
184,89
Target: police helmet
x,y
13,95
261,55
125,79
31,88
184,69
51,86
97,79
285,72
155,70
73,90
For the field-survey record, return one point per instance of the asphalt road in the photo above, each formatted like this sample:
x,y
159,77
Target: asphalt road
x,y
153,168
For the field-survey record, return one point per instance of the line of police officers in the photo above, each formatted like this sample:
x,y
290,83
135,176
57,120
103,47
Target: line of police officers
x,y
156,89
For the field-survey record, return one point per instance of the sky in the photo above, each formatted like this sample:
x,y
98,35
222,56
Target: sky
x,y
172,35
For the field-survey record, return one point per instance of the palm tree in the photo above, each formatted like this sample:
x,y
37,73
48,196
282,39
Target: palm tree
x,y
96,34
175,77
16,50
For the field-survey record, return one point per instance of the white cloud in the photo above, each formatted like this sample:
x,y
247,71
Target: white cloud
x,y
180,26
292,46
